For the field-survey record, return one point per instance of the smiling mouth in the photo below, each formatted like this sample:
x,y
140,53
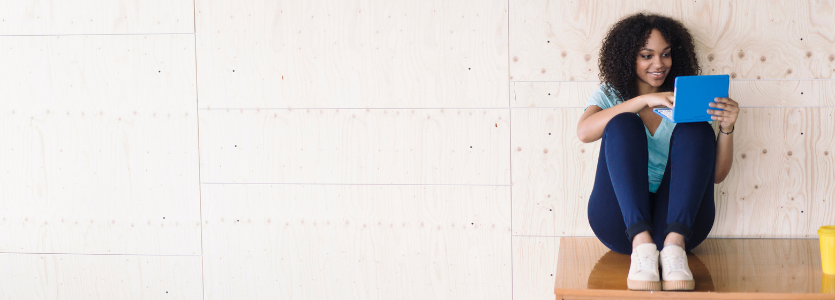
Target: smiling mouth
x,y
657,74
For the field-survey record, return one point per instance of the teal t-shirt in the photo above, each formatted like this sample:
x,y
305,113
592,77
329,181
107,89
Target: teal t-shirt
x,y
658,144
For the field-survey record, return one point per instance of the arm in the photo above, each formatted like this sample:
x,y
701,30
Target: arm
x,y
725,142
594,120
724,154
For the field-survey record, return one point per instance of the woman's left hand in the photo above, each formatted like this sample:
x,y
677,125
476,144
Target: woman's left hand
x,y
727,116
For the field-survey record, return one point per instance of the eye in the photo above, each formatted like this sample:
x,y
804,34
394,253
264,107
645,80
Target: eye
x,y
665,55
646,56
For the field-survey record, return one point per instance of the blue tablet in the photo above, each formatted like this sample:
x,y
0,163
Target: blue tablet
x,y
692,96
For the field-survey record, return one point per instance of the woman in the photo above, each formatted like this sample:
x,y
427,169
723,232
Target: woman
x,y
654,184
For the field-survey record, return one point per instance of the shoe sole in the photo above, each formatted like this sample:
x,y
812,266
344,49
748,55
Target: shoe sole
x,y
678,285
638,285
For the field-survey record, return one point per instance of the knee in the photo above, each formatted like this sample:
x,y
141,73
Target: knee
x,y
700,132
624,123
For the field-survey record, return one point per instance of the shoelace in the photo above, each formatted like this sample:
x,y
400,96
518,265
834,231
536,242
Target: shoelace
x,y
674,263
646,262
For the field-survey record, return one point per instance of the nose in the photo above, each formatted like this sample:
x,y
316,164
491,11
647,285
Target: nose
x,y
657,62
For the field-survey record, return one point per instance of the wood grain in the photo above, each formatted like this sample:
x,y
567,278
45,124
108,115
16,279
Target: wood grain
x,y
31,17
754,93
60,276
822,169
370,242
352,54
723,269
775,174
551,94
553,173
369,146
577,258
99,148
560,40
534,262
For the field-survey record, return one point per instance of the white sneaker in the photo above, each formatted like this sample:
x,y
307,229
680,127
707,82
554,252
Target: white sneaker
x,y
675,272
643,270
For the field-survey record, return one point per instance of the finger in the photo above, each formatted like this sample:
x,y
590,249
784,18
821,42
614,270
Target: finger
x,y
717,105
724,106
729,104
716,112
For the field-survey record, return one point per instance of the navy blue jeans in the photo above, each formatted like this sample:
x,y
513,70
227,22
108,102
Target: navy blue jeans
x,y
621,205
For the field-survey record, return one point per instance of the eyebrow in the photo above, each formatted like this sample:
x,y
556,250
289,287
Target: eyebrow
x,y
647,49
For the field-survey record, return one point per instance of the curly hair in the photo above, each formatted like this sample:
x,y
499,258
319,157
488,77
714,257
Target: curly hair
x,y
623,43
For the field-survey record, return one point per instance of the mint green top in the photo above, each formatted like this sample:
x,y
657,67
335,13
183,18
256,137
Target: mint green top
x,y
658,144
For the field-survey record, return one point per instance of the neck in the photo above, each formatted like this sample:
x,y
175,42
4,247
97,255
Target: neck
x,y
644,88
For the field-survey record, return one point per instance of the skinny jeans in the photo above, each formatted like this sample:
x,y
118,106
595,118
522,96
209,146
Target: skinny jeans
x,y
621,206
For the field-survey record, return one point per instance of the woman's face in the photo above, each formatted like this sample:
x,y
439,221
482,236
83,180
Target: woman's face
x,y
653,63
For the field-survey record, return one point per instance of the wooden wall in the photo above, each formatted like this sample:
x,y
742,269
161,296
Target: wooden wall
x,y
99,167
350,149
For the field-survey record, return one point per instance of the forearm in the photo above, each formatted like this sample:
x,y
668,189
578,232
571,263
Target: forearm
x,y
724,155
591,128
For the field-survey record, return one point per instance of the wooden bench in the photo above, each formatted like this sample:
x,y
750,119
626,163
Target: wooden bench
x,y
722,268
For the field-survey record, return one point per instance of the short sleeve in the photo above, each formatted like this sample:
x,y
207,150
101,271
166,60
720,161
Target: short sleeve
x,y
600,98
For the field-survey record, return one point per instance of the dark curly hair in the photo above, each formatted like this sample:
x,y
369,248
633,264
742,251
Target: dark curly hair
x,y
623,43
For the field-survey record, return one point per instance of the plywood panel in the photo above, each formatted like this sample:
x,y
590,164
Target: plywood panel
x,y
779,175
747,93
356,242
58,276
822,170
551,94
456,146
763,197
553,172
352,54
534,263
95,17
560,40
99,148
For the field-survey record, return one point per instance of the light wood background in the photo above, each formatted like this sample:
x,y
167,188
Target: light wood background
x,y
350,149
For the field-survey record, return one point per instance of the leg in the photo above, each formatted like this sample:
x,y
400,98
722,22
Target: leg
x,y
704,216
685,200
691,164
619,204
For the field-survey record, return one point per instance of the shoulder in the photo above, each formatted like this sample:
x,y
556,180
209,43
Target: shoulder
x,y
604,96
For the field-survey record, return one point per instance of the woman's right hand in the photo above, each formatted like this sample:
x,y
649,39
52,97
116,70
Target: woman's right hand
x,y
664,99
